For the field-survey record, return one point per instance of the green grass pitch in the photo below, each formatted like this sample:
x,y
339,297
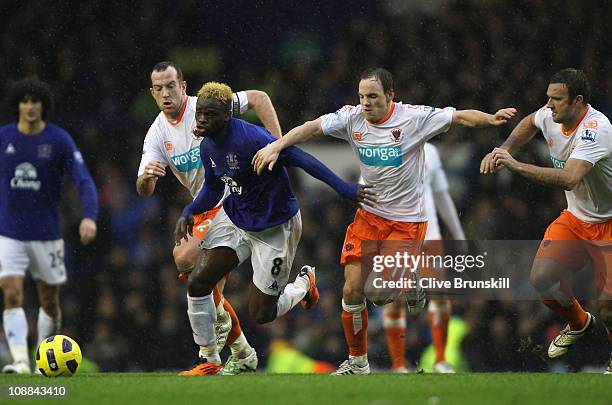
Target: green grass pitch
x,y
376,389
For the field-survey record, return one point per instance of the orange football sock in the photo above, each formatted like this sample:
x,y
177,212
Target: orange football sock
x,y
236,329
356,331
438,316
396,343
574,314
394,324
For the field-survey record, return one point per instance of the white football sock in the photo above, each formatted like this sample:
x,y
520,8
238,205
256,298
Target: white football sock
x,y
221,311
292,294
202,314
46,325
16,331
241,347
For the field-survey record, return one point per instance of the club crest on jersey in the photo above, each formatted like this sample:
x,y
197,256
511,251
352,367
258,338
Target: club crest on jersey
x,y
357,136
588,135
10,149
232,161
396,135
168,145
44,151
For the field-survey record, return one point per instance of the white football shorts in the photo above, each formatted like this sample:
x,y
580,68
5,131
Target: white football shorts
x,y
44,259
272,250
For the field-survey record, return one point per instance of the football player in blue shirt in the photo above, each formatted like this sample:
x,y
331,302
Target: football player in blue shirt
x,y
34,156
260,219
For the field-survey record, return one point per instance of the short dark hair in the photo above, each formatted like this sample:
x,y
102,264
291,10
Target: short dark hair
x,y
161,66
576,82
30,89
381,74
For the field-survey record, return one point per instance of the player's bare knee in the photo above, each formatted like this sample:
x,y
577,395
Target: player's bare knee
x,y
542,278
13,296
351,294
197,286
183,259
538,281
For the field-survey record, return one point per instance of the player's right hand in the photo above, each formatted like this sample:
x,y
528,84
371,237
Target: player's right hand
x,y
183,228
487,165
366,196
266,156
154,170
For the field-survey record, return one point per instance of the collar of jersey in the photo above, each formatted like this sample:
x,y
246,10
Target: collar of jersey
x,y
387,115
569,132
180,116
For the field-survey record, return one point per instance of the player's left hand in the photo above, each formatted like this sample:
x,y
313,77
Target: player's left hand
x,y
366,196
502,157
184,227
87,230
502,116
197,133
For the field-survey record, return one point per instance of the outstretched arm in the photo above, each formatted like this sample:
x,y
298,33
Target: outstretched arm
x,y
479,119
261,103
267,156
362,194
520,135
567,177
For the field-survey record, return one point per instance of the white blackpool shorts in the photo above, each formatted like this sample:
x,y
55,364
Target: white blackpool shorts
x,y
44,259
272,250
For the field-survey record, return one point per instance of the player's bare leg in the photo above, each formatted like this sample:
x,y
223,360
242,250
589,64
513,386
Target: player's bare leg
x,y
49,313
265,308
212,265
15,324
227,325
394,324
354,322
547,276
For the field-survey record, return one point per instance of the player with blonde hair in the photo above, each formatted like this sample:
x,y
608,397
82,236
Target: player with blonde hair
x,y
171,143
259,219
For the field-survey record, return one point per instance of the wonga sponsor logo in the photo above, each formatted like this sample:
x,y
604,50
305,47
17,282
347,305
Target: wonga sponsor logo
x,y
381,156
559,164
187,161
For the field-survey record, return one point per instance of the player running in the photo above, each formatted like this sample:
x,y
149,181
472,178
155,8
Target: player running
x,y
34,157
170,142
580,142
388,139
437,200
259,219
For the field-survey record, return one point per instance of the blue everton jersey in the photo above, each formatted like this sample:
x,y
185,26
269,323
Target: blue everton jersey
x,y
32,169
255,202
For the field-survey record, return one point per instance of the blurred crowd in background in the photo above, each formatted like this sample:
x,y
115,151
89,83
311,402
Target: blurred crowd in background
x,y
123,302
